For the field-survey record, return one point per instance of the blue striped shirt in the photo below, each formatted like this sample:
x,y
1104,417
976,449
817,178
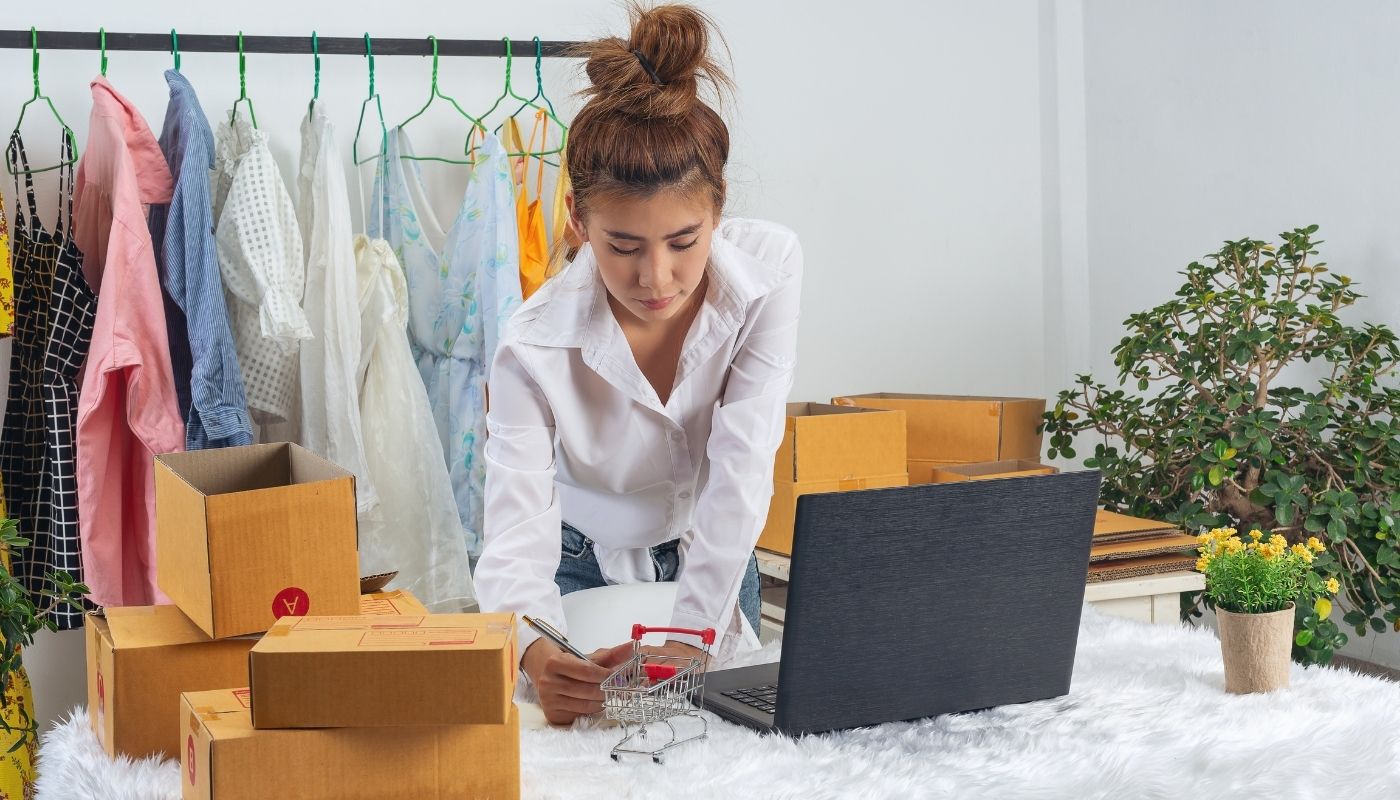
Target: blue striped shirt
x,y
208,382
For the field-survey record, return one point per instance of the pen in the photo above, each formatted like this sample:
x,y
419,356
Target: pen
x,y
547,631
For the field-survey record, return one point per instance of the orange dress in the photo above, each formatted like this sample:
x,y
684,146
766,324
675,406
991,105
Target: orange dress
x,y
529,216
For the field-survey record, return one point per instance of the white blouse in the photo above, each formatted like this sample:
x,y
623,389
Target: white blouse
x,y
578,434
260,257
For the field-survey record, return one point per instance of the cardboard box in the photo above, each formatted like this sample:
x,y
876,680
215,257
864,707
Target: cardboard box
x,y
833,443
1176,543
245,535
963,429
990,471
921,469
782,511
1111,526
350,672
225,758
140,658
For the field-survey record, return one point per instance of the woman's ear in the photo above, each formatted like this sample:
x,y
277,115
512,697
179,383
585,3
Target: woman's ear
x,y
575,223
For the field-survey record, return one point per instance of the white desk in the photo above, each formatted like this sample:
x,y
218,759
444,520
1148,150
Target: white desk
x,y
1153,599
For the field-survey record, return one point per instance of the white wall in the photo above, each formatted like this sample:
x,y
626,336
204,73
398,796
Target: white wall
x,y
1209,121
902,141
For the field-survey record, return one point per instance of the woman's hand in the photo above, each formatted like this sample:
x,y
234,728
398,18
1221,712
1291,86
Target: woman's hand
x,y
677,650
570,688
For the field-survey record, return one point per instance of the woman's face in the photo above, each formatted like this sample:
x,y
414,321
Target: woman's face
x,y
651,252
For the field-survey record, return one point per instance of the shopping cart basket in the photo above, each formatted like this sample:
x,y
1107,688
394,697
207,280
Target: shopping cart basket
x,y
651,689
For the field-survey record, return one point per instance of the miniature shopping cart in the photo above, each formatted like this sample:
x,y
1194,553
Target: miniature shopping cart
x,y
656,689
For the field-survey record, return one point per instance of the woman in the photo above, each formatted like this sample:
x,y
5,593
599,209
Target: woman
x,y
637,399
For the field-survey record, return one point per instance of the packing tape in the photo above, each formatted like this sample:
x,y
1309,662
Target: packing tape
x,y
206,713
842,401
279,630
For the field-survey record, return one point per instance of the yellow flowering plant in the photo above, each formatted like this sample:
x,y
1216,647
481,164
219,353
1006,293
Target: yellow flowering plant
x,y
1255,575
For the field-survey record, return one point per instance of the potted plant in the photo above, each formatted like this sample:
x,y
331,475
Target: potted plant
x,y
1254,587
20,620
1258,406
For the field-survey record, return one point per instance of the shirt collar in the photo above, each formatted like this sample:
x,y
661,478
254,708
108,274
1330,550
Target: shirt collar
x,y
153,179
570,310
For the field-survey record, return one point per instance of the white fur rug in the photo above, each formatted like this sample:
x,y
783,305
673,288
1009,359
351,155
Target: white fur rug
x,y
1147,717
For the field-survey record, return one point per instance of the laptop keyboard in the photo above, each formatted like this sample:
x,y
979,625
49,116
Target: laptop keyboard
x,y
761,698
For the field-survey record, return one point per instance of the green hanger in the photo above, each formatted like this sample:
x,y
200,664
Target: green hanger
x,y
175,48
540,95
242,87
102,43
509,91
436,93
374,98
316,60
68,136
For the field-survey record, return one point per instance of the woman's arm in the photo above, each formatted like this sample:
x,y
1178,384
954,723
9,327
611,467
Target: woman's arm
x,y
520,553
746,432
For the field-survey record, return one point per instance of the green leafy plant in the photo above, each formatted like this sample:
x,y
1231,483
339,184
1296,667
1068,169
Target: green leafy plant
x,y
1257,407
20,619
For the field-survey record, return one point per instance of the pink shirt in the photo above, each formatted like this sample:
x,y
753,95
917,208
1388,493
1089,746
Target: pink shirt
x,y
127,410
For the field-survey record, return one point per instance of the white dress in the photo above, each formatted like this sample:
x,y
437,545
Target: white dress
x,y
260,258
330,359
415,529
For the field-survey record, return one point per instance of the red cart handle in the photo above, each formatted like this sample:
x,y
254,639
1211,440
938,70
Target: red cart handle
x,y
707,636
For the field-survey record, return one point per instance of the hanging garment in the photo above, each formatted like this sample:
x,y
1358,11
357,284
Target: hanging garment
x,y
529,216
463,286
53,327
7,280
260,257
208,384
563,245
127,412
330,359
415,528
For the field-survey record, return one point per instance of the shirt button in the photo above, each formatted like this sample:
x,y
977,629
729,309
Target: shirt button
x,y
685,495
676,436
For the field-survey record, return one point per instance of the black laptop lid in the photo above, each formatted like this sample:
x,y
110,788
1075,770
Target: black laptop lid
x,y
910,602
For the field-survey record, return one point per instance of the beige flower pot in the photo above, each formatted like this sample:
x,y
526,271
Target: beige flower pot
x,y
1257,649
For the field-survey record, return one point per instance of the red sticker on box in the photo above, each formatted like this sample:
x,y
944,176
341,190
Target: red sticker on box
x,y
189,756
244,697
291,602
101,697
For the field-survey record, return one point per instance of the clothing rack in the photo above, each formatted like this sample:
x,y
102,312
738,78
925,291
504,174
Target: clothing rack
x,y
301,45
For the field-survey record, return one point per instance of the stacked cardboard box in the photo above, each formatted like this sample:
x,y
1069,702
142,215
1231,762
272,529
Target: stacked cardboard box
x,y
829,448
408,706
950,430
255,539
1130,547
140,658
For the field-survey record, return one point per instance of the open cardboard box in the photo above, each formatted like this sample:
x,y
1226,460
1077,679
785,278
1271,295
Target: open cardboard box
x,y
829,448
223,757
962,429
245,535
360,671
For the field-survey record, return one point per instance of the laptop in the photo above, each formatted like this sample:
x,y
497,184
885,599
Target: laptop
x,y
923,600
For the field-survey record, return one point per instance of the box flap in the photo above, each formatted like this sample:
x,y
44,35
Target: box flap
x,y
395,601
151,626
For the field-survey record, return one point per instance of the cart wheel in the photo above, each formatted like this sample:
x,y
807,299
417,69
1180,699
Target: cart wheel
x,y
616,757
657,760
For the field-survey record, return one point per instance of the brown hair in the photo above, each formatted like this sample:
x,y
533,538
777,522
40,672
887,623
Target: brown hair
x,y
645,127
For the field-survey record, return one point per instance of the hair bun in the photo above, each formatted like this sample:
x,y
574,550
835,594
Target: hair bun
x,y
657,71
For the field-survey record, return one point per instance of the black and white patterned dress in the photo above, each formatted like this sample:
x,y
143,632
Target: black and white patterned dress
x,y
53,326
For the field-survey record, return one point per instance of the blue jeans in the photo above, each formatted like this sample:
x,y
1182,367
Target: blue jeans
x,y
578,570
